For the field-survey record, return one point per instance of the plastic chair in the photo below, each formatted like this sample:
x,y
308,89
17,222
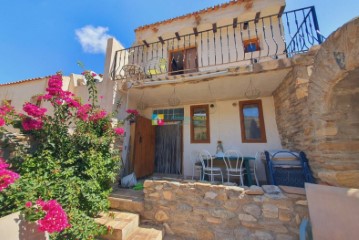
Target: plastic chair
x,y
207,165
197,166
234,164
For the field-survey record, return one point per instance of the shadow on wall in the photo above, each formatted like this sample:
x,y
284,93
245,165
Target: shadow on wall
x,y
14,227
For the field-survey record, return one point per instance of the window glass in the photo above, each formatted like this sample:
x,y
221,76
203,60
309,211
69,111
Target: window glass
x,y
252,123
200,124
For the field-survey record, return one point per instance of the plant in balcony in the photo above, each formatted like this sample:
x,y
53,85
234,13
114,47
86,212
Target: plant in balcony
x,y
132,114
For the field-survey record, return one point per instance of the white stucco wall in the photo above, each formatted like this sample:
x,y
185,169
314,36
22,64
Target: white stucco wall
x,y
225,126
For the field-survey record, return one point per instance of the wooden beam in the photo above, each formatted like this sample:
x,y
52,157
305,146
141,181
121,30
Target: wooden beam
x,y
177,36
281,10
147,45
161,40
195,30
235,22
214,27
258,15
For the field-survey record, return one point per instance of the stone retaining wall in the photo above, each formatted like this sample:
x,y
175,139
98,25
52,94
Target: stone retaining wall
x,y
317,107
195,210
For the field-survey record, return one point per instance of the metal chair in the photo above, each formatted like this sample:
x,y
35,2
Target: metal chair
x,y
207,166
197,166
253,169
234,164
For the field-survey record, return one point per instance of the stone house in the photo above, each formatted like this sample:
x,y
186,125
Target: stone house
x,y
243,73
229,73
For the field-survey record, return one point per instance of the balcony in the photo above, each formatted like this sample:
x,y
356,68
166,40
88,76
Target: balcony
x,y
220,47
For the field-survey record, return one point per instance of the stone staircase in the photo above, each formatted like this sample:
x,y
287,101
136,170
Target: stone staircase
x,y
125,226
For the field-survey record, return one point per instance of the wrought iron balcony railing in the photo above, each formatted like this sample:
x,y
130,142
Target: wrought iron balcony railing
x,y
270,37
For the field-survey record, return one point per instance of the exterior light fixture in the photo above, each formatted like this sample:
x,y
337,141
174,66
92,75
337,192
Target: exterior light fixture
x,y
252,92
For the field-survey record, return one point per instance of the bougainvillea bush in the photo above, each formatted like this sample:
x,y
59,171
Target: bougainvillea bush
x,y
65,181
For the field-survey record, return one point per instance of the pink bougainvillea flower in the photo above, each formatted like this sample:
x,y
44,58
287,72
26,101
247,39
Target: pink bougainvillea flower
x,y
132,111
3,164
5,109
2,122
98,115
72,103
55,219
34,110
83,111
119,131
28,204
7,177
31,124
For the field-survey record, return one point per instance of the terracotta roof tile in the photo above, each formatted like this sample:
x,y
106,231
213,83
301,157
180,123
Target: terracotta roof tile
x,y
23,81
209,9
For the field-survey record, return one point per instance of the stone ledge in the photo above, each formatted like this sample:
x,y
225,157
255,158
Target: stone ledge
x,y
292,190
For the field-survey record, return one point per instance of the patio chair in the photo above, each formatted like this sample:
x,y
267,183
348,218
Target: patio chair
x,y
253,168
207,166
234,164
196,163
288,168
156,66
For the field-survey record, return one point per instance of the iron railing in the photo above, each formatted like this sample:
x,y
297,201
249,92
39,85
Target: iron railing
x,y
270,37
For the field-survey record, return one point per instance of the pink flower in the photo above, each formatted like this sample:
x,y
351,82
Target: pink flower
x,y
55,219
94,74
3,164
132,111
72,103
28,204
31,124
5,109
7,177
2,122
83,111
119,131
34,110
98,115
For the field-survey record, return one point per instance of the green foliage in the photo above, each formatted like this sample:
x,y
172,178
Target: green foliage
x,y
74,167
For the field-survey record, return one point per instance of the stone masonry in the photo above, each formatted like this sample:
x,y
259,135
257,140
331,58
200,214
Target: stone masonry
x,y
317,107
195,210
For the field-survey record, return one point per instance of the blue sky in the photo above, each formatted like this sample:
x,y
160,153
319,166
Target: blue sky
x,y
40,37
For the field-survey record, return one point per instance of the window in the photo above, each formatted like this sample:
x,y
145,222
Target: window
x,y
173,114
252,123
251,45
183,61
36,100
200,124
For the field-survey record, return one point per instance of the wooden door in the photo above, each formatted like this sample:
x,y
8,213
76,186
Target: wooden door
x,y
168,154
144,147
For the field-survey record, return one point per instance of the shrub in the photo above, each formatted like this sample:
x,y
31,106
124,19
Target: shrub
x,y
73,164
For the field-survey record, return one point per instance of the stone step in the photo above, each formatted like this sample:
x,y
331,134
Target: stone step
x,y
128,205
146,234
123,224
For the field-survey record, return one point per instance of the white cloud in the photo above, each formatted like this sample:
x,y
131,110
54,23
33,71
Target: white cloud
x,y
93,39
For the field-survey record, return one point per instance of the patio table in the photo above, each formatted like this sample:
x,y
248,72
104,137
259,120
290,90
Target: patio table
x,y
246,160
